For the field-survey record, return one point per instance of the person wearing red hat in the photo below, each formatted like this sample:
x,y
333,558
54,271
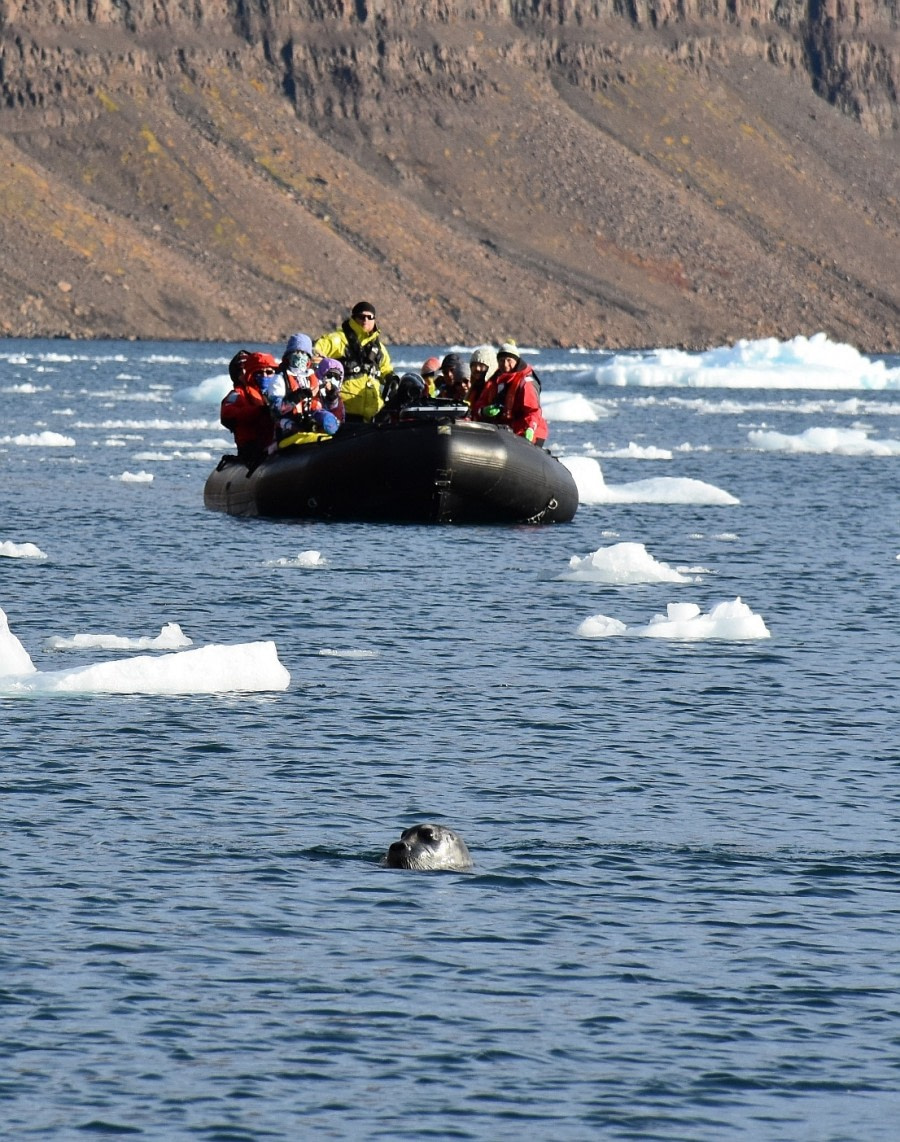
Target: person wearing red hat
x,y
245,412
367,363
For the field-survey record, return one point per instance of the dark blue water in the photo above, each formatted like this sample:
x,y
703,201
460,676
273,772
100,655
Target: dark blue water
x,y
684,917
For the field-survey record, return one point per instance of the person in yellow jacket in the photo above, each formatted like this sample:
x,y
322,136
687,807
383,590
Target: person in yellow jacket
x,y
367,363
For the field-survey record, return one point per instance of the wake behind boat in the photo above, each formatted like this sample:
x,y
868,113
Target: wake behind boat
x,y
430,466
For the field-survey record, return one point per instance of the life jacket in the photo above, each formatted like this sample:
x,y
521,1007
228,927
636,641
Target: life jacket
x,y
245,413
305,396
361,358
508,390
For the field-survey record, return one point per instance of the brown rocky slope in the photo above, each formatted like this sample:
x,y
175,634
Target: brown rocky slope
x,y
565,171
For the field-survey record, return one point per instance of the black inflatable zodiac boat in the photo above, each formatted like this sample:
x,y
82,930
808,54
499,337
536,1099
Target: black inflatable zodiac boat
x,y
430,466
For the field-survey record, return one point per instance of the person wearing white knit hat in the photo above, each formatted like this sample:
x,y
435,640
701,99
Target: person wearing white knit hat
x,y
512,397
482,366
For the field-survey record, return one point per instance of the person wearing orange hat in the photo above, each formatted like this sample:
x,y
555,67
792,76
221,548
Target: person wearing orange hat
x,y
429,372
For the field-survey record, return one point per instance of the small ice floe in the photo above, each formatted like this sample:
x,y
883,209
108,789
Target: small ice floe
x,y
209,391
10,550
636,452
176,455
249,667
571,408
302,559
39,440
801,363
822,441
732,620
622,563
144,426
592,489
141,477
14,658
170,637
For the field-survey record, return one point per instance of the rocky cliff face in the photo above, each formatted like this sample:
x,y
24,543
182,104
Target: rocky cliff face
x,y
621,172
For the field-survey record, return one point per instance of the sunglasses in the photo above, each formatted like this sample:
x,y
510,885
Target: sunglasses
x,y
266,372
366,316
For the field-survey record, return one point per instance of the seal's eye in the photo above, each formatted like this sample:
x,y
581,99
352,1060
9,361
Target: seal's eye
x,y
426,834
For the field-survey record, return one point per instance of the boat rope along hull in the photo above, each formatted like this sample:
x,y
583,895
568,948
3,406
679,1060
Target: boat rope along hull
x,y
417,472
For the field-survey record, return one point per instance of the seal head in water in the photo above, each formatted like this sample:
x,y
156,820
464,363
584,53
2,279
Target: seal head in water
x,y
426,847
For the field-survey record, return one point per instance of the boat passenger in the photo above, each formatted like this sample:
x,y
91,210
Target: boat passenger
x,y
453,380
367,363
294,395
330,374
429,372
300,380
399,394
245,411
513,397
236,366
482,366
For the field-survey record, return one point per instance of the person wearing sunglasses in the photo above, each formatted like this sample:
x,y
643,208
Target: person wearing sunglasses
x,y
429,372
246,411
365,358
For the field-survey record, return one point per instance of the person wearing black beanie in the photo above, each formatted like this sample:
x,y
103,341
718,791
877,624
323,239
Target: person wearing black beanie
x,y
367,363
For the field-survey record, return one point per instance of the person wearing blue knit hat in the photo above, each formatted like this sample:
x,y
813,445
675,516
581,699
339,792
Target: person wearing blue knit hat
x,y
299,378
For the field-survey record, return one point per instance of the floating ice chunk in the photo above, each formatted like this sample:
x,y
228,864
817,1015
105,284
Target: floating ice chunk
x,y
588,477
592,489
39,440
801,363
209,391
176,455
840,441
170,637
622,563
134,477
601,626
732,620
244,668
14,658
637,452
11,550
302,559
572,408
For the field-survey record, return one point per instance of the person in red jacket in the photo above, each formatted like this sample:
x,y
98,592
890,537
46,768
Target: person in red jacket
x,y
245,411
512,396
